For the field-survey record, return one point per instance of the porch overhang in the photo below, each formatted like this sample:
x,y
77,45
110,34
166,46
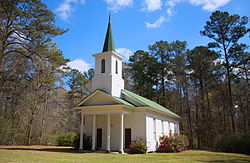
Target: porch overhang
x,y
105,109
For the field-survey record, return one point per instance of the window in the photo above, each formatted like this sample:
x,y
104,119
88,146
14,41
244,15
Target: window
x,y
171,128
116,67
162,127
176,128
103,66
154,128
170,131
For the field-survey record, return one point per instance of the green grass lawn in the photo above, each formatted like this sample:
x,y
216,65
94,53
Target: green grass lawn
x,y
69,156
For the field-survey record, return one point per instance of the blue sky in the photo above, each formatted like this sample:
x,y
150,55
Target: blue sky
x,y
135,24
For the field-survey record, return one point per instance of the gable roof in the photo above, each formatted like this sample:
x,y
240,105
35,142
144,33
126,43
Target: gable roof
x,y
116,99
139,99
149,103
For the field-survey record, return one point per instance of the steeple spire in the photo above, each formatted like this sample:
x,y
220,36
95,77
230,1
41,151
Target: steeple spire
x,y
109,42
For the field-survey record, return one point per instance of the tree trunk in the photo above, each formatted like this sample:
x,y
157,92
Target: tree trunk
x,y
43,120
229,89
189,119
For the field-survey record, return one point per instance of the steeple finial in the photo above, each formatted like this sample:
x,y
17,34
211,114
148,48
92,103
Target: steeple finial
x,y
109,42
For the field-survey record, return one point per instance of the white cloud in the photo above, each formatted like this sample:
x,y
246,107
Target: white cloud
x,y
170,12
116,5
79,64
124,52
172,3
209,5
65,9
218,61
156,24
153,5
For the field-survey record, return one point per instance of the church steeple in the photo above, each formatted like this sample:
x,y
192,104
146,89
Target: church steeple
x,y
108,68
109,41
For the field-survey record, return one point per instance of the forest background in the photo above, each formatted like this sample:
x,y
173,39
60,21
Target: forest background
x,y
208,86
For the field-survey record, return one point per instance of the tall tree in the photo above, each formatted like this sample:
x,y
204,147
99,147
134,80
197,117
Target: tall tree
x,y
29,62
161,51
26,32
79,85
201,68
144,73
180,80
226,31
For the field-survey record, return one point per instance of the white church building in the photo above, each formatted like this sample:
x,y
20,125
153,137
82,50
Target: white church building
x,y
113,116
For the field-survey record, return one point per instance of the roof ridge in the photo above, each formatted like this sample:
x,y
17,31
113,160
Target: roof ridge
x,y
121,100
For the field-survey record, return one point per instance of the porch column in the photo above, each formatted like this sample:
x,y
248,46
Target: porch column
x,y
121,132
94,132
81,133
108,133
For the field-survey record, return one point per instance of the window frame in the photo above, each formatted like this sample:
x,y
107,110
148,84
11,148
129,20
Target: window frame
x,y
116,66
103,66
154,128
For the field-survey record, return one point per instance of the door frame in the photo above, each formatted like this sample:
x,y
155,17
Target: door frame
x,y
127,144
99,139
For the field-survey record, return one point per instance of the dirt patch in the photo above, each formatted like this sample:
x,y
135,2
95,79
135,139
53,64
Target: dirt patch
x,y
40,148
33,147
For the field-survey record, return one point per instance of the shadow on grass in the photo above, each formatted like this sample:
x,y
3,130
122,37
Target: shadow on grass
x,y
242,160
61,149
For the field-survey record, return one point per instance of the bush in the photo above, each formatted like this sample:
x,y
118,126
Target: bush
x,y
234,143
66,139
138,146
176,143
6,132
49,139
87,142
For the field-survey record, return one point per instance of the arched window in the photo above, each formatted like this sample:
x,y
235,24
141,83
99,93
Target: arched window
x,y
103,66
116,67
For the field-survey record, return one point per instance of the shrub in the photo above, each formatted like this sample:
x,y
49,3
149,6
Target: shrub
x,y
182,141
49,139
6,132
87,142
66,139
175,143
235,143
138,146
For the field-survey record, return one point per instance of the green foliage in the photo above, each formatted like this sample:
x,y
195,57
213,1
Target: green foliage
x,y
66,139
49,139
233,143
30,69
144,72
78,83
138,146
226,30
87,142
10,135
201,61
176,143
